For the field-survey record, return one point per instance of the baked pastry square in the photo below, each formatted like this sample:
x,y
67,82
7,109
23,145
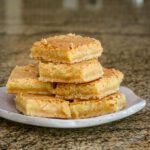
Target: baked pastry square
x,y
84,71
92,108
25,79
42,106
52,107
68,48
100,88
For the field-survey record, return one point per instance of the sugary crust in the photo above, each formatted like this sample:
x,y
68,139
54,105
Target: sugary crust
x,y
25,79
24,72
52,107
100,88
66,42
70,73
68,48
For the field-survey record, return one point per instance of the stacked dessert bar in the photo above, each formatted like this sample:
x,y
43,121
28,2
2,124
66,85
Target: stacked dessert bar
x,y
68,82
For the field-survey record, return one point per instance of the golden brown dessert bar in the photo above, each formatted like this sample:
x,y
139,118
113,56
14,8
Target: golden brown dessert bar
x,y
84,71
48,106
42,106
68,48
25,79
100,88
91,108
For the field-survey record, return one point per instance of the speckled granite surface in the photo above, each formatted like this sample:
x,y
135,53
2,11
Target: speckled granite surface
x,y
124,30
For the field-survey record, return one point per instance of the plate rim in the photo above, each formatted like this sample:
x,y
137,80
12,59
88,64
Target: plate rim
x,y
73,123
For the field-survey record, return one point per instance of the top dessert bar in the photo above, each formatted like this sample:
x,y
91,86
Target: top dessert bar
x,y
68,48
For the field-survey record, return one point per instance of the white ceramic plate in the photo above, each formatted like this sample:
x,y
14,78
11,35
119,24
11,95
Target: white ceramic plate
x,y
8,111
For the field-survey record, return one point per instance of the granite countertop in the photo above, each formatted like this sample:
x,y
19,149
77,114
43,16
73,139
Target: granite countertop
x,y
123,27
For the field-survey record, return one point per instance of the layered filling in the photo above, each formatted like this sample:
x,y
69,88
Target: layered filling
x,y
66,56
